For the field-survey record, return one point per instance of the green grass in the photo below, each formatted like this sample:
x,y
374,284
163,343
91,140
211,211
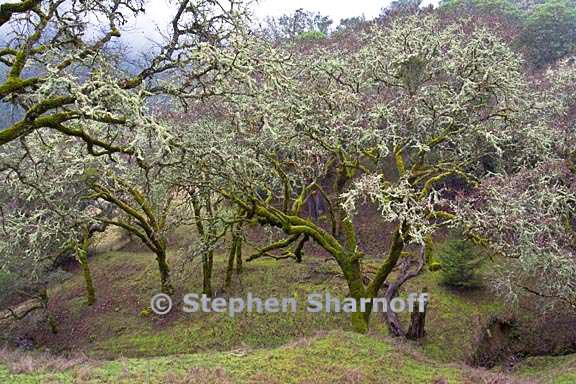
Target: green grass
x,y
205,332
123,329
260,348
549,369
453,318
337,357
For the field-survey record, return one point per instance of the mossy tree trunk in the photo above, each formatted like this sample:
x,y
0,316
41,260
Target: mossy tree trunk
x,y
208,256
355,279
234,257
165,281
353,274
144,219
239,255
207,263
346,251
230,267
82,255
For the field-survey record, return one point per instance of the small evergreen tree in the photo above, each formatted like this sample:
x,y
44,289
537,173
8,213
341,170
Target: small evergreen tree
x,y
460,263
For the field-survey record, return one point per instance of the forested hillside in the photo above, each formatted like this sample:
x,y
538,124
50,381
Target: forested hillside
x,y
292,199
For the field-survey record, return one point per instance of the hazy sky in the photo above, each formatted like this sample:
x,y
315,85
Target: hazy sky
x,y
158,13
336,9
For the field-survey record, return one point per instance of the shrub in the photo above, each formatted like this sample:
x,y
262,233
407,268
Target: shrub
x,y
312,35
460,262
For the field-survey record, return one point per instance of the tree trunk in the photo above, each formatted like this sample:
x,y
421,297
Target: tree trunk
x,y
166,285
239,255
408,270
354,278
231,258
207,263
392,321
52,323
299,248
417,323
90,291
207,257
82,254
360,321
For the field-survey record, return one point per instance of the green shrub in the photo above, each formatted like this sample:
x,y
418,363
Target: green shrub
x,y
460,262
312,35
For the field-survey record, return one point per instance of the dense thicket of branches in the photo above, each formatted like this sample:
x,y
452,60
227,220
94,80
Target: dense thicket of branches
x,y
258,129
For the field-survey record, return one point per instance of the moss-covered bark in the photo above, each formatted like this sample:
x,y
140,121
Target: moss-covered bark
x,y
207,263
239,256
166,284
82,254
234,256
207,257
346,252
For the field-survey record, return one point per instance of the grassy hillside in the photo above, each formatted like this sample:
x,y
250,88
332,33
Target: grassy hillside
x,y
336,357
122,324
119,340
553,370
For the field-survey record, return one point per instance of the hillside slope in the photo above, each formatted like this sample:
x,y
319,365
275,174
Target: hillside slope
x,y
119,340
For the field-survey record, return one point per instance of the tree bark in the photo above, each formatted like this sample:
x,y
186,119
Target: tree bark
x,y
393,322
207,257
52,323
360,322
231,257
239,255
299,248
417,323
90,291
166,285
82,254
207,264
353,274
